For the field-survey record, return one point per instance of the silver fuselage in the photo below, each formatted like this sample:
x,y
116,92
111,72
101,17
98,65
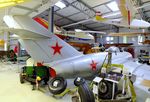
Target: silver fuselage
x,y
81,65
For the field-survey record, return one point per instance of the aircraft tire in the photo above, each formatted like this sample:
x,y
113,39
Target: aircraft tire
x,y
105,90
57,85
86,95
79,81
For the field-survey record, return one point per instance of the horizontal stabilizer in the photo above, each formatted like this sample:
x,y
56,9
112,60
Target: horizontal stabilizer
x,y
24,26
25,34
38,41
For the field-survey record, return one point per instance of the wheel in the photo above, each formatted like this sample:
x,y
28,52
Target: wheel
x,y
105,89
57,85
21,75
21,78
78,81
86,95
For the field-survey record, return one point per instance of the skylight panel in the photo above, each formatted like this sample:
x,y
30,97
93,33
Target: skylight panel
x,y
60,4
113,6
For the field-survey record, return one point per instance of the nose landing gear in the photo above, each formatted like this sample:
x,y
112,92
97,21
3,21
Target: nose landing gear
x,y
57,85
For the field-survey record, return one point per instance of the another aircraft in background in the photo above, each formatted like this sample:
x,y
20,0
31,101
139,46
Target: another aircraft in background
x,y
124,7
79,35
128,11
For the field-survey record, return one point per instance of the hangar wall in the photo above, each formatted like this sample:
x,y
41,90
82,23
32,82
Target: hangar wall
x,y
133,39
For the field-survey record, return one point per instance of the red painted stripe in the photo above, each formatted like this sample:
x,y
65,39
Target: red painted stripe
x,y
61,36
129,17
44,23
39,20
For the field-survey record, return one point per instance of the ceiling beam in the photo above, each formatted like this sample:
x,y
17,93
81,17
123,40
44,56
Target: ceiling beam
x,y
72,21
35,8
88,28
146,2
42,7
89,7
26,8
141,11
92,8
103,4
83,8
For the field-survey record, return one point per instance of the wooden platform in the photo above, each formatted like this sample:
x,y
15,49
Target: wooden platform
x,y
146,83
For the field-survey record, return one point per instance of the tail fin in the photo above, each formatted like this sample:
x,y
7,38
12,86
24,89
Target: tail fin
x,y
45,49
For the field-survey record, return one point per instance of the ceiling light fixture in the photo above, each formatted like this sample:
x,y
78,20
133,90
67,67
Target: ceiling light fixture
x,y
78,30
60,4
113,6
11,22
112,14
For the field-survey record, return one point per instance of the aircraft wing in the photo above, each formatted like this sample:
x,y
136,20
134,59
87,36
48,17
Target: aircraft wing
x,y
122,8
25,34
139,23
127,10
135,23
99,32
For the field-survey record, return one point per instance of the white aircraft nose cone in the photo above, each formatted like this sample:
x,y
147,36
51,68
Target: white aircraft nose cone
x,y
140,23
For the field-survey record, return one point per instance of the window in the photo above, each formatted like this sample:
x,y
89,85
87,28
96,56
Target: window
x,y
109,40
140,39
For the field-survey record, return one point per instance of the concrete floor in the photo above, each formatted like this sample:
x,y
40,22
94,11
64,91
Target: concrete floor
x,y
12,91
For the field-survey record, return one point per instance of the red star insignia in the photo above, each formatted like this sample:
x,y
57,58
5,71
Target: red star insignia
x,y
56,48
93,65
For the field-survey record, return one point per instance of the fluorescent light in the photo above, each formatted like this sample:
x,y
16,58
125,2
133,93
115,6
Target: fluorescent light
x,y
113,6
112,14
10,22
107,38
140,39
78,30
60,4
15,36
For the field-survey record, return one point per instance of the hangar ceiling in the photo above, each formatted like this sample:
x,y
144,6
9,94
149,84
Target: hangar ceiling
x,y
80,10
75,11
